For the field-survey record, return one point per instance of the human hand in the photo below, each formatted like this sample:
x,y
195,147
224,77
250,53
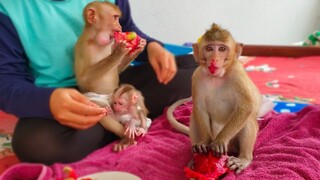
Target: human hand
x,y
162,62
69,107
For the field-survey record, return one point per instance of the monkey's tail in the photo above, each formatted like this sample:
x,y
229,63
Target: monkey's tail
x,y
173,121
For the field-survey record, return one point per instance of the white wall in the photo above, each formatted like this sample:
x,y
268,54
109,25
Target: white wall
x,y
279,22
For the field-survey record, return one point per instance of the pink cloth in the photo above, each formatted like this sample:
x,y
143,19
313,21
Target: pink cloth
x,y
27,171
288,147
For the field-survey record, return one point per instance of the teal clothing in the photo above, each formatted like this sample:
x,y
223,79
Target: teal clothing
x,y
50,62
36,50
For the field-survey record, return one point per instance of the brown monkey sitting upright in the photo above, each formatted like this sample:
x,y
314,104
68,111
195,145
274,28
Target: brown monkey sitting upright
x,y
225,101
99,59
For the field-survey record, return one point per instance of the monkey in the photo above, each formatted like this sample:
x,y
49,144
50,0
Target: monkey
x,y
98,59
225,101
97,64
129,109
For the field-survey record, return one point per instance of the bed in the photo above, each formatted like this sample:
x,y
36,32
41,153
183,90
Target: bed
x,y
287,147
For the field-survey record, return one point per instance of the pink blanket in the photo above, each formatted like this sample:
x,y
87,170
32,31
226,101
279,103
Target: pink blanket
x,y
288,147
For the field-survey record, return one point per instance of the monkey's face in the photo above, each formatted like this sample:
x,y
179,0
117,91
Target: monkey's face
x,y
120,105
107,23
110,19
213,57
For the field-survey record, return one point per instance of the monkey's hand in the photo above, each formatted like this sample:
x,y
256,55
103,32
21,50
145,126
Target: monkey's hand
x,y
132,55
142,44
141,132
133,41
219,147
131,130
200,148
138,49
119,50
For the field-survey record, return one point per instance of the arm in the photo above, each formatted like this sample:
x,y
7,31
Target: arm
x,y
18,94
143,119
245,101
142,130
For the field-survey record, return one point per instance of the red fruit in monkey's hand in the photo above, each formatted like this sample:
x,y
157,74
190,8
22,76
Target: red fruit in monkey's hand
x,y
131,38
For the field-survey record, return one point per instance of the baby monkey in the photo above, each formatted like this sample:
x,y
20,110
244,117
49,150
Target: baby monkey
x,y
99,59
225,101
129,109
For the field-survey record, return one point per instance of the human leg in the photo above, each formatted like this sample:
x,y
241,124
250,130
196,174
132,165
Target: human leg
x,y
47,141
157,95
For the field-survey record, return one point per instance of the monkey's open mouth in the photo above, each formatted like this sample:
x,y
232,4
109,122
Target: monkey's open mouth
x,y
212,68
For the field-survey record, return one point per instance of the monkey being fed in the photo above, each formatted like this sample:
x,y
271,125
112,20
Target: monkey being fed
x,y
225,101
99,59
129,109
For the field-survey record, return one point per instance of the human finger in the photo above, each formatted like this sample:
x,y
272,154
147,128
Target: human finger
x,y
79,121
84,109
156,67
164,68
81,104
172,70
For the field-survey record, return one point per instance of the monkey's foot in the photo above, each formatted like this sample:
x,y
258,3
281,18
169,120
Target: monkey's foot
x,y
123,144
238,164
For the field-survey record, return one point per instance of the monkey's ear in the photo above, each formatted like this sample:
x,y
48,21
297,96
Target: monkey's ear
x,y
195,47
238,49
135,97
92,15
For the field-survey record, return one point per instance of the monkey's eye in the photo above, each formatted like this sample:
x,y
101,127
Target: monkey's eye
x,y
117,103
222,49
116,17
209,48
